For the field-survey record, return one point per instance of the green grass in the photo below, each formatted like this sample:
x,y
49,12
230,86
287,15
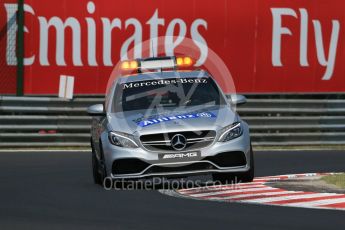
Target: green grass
x,y
337,180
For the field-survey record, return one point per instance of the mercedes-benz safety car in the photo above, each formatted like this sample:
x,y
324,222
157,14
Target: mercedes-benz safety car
x,y
163,121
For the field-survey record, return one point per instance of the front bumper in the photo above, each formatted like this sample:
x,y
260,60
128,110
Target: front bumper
x,y
152,166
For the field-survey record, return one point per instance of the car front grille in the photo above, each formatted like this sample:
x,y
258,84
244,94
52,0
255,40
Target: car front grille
x,y
162,141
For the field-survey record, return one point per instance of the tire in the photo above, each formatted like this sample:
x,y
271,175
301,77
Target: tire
x,y
233,178
97,177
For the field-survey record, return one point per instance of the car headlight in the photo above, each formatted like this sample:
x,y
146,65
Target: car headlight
x,y
122,140
230,132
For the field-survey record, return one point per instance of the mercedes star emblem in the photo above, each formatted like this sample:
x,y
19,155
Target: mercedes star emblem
x,y
178,142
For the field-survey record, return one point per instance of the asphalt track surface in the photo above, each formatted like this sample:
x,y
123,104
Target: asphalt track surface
x,y
55,191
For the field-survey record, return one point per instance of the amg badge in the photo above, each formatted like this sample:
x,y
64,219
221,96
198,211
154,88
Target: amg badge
x,y
179,155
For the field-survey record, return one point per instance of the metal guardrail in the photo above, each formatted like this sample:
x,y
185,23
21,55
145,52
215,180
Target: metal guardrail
x,y
273,120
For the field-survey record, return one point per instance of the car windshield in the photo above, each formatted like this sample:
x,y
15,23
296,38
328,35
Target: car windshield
x,y
164,93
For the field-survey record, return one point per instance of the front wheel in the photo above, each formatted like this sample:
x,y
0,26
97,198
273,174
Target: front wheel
x,y
233,178
97,177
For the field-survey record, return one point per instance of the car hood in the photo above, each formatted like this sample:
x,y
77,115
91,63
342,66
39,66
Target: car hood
x,y
173,120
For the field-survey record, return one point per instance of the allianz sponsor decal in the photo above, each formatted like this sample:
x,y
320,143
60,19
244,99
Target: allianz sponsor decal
x,y
160,119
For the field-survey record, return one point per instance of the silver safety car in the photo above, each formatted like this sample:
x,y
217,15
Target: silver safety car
x,y
164,121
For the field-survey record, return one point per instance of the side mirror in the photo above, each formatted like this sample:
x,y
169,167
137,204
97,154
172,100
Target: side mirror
x,y
237,99
96,110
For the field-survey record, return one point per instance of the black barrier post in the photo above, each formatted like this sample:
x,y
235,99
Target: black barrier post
x,y
20,48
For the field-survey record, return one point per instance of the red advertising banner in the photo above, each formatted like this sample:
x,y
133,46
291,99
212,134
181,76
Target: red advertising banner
x,y
8,29
269,46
